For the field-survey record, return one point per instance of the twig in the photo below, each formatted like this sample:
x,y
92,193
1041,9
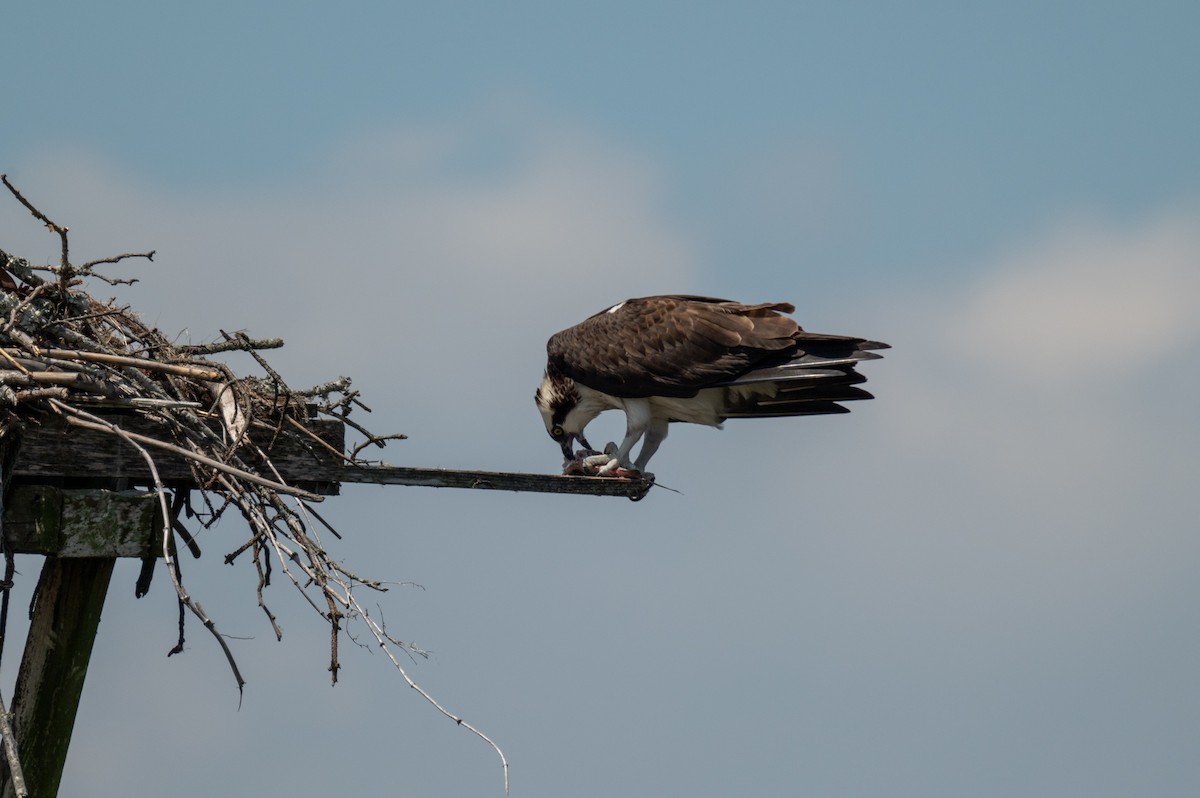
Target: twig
x,y
303,430
381,639
263,566
41,217
372,440
80,382
243,344
16,776
195,372
91,264
375,440
34,394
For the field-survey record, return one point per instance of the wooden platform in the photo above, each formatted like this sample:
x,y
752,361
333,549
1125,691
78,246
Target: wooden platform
x,y
70,457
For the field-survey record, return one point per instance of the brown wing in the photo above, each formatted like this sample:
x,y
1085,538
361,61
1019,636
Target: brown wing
x,y
672,345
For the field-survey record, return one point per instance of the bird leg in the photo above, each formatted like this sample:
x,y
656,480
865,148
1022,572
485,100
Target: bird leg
x,y
655,435
615,461
638,419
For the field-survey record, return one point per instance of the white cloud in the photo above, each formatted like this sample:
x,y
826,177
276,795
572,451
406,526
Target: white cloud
x,y
1086,303
1036,408
1053,340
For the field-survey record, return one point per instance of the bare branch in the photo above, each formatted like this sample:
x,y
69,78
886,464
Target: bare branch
x,y
195,372
243,344
91,264
15,774
41,217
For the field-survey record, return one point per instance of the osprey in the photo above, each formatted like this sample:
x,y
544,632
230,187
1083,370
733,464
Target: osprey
x,y
689,358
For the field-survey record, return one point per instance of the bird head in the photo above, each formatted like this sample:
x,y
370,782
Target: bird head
x,y
558,401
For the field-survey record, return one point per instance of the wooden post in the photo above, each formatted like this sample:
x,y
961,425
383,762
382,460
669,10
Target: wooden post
x,y
12,776
70,597
81,532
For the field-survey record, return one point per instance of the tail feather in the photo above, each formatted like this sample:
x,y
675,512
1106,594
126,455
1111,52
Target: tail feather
x,y
784,410
812,382
804,369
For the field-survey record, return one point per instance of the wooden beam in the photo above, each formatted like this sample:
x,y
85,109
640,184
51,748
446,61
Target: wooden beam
x,y
39,519
496,480
52,451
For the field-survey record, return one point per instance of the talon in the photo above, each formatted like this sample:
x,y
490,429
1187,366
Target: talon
x,y
615,470
588,462
609,466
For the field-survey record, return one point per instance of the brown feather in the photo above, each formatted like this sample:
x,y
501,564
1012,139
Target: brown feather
x,y
676,345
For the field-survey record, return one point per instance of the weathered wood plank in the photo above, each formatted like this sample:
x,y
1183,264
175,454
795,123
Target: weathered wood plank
x,y
496,480
39,519
58,452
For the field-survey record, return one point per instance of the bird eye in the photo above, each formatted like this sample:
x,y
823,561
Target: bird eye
x,y
556,431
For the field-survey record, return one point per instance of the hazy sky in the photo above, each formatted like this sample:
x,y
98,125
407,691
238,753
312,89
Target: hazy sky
x,y
982,583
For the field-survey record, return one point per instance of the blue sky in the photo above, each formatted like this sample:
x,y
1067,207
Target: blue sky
x,y
982,583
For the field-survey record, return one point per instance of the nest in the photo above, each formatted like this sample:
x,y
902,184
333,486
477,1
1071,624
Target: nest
x,y
68,357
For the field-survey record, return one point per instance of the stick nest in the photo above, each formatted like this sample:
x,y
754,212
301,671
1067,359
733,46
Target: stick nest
x,y
66,355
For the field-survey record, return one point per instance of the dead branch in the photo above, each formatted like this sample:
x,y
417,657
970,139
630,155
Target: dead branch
x,y
78,382
15,774
41,217
243,345
382,639
91,264
340,385
194,372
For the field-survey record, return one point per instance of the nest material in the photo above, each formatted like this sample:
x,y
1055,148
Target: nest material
x,y
66,355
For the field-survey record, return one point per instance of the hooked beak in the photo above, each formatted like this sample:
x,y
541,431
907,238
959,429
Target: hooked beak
x,y
568,444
